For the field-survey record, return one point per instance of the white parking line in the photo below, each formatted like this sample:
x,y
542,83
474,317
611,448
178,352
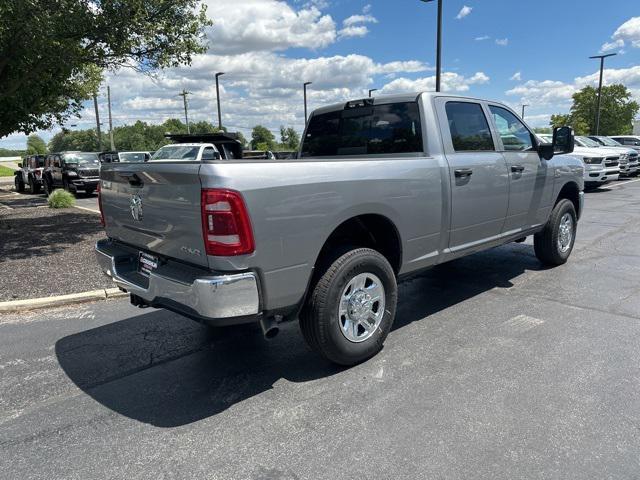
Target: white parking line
x,y
87,209
622,183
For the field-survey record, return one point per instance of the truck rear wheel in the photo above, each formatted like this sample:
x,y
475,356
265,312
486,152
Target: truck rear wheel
x,y
351,308
19,184
554,243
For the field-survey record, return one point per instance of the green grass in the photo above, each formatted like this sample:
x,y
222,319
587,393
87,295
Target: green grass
x,y
61,199
5,171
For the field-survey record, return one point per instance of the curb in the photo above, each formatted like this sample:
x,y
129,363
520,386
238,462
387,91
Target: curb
x,y
61,300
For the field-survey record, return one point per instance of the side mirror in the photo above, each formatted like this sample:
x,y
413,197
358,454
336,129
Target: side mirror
x,y
563,140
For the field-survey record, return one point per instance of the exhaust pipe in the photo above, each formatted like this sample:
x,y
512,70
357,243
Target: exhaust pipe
x,y
269,327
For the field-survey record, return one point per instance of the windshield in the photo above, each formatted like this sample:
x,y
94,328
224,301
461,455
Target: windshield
x,y
609,142
587,142
81,158
187,153
133,157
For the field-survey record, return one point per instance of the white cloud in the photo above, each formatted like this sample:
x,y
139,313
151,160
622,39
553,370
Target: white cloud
x,y
503,42
516,76
628,32
451,82
353,26
464,11
558,94
482,38
353,31
356,19
250,25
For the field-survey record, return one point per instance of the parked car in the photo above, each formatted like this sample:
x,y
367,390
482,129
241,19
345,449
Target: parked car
x,y
631,141
381,188
73,171
30,173
627,155
598,170
258,155
109,157
612,160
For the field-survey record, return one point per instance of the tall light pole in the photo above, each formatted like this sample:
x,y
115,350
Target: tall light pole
x,y
438,44
184,94
523,107
218,75
371,90
601,57
110,119
95,106
304,87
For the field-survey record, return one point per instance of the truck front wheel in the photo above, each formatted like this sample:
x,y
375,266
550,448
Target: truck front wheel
x,y
351,308
554,243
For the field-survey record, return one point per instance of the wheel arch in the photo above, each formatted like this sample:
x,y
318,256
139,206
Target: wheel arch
x,y
571,191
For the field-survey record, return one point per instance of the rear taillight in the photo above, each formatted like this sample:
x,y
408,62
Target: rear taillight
x,y
225,223
100,205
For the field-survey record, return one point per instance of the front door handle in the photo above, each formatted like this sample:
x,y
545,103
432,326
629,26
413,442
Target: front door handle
x,y
517,168
463,172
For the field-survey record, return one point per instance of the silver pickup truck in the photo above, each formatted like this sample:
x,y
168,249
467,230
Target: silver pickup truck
x,y
381,188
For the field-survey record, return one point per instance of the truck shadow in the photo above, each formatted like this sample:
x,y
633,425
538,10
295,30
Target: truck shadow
x,y
167,371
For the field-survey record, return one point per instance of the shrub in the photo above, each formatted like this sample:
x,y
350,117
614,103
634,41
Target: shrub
x,y
61,199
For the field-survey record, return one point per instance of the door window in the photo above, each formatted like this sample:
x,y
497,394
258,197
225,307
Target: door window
x,y
468,127
514,135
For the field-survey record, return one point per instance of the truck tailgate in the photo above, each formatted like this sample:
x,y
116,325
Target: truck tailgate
x,y
156,207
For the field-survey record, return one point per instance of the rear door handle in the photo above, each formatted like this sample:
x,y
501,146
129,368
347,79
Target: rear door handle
x,y
463,172
517,168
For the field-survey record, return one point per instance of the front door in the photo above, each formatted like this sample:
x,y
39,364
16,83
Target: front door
x,y
530,176
478,174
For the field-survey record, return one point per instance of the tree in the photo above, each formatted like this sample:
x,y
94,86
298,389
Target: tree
x,y
616,114
52,54
289,138
36,145
262,137
546,130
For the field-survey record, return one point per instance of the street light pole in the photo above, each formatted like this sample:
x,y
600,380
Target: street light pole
x,y
218,75
371,90
184,94
110,119
601,57
95,106
438,44
304,87
523,106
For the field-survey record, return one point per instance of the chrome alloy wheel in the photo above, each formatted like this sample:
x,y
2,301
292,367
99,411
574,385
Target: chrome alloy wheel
x,y
565,233
361,307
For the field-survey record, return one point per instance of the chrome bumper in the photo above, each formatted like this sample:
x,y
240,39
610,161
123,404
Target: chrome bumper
x,y
190,291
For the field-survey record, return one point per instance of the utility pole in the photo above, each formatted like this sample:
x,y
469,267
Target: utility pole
x,y
438,44
371,90
218,99
601,57
304,87
95,106
113,148
184,94
523,106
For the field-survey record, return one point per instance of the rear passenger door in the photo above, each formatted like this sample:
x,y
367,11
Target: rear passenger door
x,y
477,172
530,176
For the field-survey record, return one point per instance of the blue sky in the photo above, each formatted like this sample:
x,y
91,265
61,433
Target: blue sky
x,y
518,52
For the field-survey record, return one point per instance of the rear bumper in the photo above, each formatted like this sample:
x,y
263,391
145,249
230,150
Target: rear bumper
x,y
217,299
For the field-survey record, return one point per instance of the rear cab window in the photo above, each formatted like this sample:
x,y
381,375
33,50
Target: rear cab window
x,y
365,129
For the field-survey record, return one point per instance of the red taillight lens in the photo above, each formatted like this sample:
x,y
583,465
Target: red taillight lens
x,y
225,223
100,205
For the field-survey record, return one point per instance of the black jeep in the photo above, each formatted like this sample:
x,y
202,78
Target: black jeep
x,y
73,171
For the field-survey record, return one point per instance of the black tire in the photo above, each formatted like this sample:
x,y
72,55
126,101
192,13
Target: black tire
x,y
546,244
47,186
320,321
65,185
19,184
33,186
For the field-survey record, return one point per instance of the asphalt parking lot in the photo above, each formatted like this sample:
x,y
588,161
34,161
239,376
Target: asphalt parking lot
x,y
495,368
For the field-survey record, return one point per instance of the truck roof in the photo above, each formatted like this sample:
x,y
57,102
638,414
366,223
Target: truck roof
x,y
396,98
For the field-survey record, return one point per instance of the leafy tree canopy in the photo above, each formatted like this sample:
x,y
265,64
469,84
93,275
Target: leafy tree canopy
x,y
616,114
262,138
140,136
289,138
36,145
52,53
